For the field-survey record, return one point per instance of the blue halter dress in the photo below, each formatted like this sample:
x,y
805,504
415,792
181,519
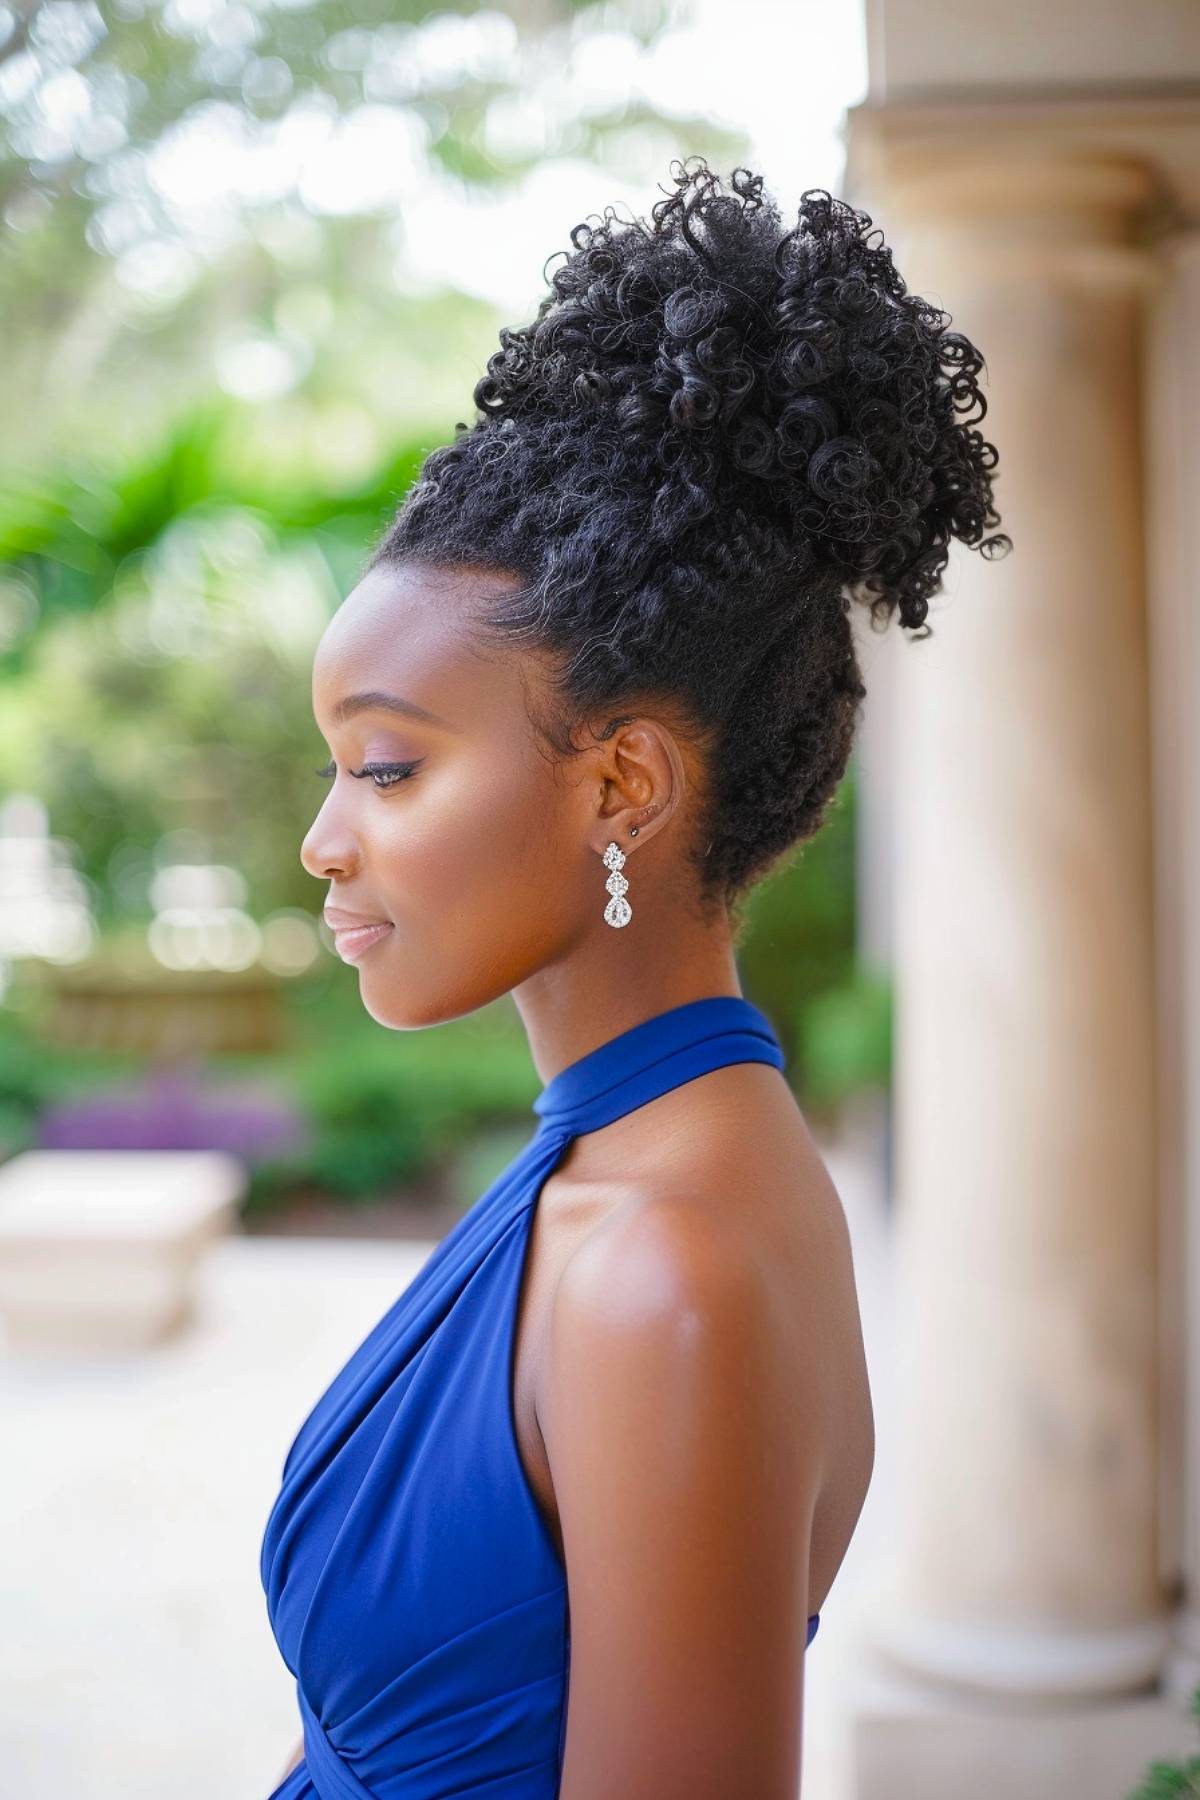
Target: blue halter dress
x,y
413,1586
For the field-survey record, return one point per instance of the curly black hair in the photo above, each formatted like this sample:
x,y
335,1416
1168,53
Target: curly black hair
x,y
712,437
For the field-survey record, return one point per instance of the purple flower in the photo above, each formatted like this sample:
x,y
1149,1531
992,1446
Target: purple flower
x,y
176,1110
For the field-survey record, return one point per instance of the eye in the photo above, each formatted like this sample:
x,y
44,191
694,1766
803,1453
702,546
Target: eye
x,y
386,775
389,774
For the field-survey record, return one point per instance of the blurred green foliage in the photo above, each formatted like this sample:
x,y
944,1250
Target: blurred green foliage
x,y
386,1108
174,607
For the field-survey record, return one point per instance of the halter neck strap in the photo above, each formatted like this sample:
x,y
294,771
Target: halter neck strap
x,y
653,1056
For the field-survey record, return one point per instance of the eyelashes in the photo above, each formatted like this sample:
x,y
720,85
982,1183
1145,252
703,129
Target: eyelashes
x,y
393,773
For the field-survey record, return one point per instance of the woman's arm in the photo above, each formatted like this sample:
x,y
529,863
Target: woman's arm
x,y
684,1419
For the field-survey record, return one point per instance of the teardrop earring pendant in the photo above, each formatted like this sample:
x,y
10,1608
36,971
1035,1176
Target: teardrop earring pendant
x,y
618,911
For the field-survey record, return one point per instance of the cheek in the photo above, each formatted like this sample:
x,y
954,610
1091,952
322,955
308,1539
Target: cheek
x,y
492,827
479,879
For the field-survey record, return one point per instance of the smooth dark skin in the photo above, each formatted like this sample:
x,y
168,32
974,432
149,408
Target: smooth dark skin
x,y
690,1385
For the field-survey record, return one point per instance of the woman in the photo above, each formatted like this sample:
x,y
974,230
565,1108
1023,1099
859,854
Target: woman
x,y
597,679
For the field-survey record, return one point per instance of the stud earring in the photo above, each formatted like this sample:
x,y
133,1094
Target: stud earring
x,y
618,911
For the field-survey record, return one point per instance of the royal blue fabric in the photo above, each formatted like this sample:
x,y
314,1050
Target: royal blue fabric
x,y
412,1583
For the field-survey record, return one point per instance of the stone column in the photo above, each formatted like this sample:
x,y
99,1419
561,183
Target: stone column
x,y
1027,1533
1173,511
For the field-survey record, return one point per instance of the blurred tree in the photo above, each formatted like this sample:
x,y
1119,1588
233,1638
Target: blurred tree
x,y
166,687
187,183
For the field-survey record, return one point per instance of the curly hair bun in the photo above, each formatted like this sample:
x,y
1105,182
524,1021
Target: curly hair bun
x,y
784,379
712,437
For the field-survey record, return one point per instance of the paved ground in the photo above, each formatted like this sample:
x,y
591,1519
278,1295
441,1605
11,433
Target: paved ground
x,y
136,1661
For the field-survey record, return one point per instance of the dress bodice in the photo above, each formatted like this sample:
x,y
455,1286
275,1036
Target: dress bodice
x,y
413,1585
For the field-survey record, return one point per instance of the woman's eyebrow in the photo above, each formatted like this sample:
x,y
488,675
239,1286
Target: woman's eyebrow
x,y
351,704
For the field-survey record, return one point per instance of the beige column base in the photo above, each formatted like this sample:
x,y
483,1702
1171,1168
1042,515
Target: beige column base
x,y
907,1747
1039,1663
1181,1670
917,1737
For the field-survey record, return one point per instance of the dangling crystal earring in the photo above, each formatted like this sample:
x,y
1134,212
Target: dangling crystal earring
x,y
618,911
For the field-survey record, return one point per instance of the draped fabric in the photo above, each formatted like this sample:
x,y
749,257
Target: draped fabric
x,y
412,1583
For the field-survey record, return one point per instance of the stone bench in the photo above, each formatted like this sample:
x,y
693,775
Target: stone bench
x,y
98,1248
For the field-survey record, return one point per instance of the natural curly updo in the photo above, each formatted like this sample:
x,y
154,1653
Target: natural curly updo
x,y
714,434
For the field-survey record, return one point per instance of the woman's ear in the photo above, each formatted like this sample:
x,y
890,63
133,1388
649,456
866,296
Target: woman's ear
x,y
642,782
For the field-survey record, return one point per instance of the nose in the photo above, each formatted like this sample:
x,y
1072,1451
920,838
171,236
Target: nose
x,y
328,849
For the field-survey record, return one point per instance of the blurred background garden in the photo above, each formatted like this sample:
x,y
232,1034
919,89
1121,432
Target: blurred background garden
x,y
254,260
254,255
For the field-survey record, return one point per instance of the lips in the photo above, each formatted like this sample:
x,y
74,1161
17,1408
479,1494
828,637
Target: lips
x,y
354,933
338,918
353,944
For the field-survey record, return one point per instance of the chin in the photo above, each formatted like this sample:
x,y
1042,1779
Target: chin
x,y
408,1006
393,1016
400,1011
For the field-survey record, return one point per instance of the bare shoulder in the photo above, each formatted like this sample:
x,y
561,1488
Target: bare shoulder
x,y
716,1250
713,1302
732,1207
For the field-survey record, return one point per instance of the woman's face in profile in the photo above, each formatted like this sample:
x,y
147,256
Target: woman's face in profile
x,y
473,849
